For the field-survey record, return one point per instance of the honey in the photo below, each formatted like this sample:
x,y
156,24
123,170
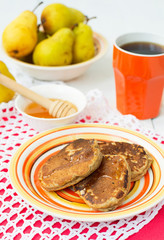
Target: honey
x,y
35,110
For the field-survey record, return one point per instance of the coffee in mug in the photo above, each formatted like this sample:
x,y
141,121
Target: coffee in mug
x,y
147,48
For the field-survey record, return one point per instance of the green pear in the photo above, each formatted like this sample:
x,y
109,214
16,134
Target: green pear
x,y
56,16
41,36
20,36
83,49
55,50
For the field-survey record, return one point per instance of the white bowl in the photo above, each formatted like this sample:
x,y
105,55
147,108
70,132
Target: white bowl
x,y
64,92
63,73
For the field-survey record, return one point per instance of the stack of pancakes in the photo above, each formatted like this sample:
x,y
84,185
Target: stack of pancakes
x,y
100,172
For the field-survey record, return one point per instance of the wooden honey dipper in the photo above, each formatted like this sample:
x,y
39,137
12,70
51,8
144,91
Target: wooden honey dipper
x,y
57,108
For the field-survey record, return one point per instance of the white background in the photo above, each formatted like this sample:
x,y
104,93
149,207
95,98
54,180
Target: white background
x,y
114,17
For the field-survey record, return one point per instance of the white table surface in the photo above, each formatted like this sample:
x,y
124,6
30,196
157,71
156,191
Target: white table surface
x,y
114,17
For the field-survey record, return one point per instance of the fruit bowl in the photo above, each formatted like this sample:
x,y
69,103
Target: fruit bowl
x,y
52,91
63,73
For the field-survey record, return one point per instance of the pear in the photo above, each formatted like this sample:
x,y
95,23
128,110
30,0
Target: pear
x,y
28,58
83,49
41,33
77,16
41,36
20,36
55,50
5,93
56,16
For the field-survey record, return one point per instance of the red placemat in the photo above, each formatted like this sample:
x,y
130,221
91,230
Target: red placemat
x,y
153,230
19,220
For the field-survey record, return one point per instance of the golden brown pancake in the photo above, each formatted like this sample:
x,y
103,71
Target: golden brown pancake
x,y
106,188
73,163
137,157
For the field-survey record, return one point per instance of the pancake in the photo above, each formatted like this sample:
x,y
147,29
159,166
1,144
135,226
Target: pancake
x,y
70,165
137,157
106,188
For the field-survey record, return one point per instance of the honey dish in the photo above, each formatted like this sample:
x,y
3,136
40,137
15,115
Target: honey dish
x,y
52,91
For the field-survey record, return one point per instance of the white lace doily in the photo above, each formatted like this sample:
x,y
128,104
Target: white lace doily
x,y
19,220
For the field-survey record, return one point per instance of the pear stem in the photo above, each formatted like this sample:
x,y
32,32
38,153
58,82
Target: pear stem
x,y
37,6
87,19
75,25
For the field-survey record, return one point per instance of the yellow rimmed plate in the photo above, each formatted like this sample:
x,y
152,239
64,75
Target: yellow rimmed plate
x,y
26,162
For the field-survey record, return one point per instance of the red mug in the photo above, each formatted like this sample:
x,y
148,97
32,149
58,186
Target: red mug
x,y
139,78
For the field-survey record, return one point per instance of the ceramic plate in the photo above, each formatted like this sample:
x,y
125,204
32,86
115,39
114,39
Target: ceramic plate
x,y
26,162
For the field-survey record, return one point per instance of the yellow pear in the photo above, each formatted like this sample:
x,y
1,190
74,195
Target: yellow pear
x,y
83,49
56,16
5,93
20,36
28,58
55,50
77,16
